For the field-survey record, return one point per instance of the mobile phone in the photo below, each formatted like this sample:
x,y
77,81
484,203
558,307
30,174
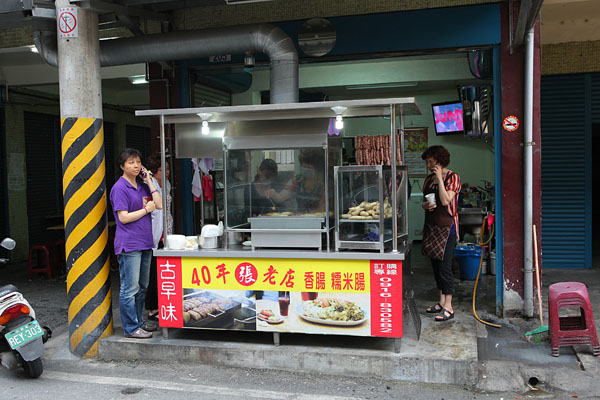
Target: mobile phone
x,y
143,173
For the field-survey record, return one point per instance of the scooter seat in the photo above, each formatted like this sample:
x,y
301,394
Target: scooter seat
x,y
6,289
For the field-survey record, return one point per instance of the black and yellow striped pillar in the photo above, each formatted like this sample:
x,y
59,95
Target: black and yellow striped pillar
x,y
86,234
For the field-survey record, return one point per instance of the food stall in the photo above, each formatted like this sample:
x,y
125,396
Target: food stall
x,y
307,245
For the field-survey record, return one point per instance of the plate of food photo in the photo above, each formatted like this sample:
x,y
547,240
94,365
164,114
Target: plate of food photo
x,y
330,311
269,317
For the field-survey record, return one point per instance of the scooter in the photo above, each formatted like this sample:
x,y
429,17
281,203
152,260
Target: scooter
x,y
21,336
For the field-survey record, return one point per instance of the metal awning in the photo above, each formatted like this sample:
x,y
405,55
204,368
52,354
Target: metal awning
x,y
322,109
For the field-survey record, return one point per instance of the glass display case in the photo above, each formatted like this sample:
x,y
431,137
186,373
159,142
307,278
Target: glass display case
x,y
363,207
281,189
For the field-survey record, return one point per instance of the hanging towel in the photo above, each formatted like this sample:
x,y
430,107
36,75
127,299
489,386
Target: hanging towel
x,y
196,180
207,187
206,164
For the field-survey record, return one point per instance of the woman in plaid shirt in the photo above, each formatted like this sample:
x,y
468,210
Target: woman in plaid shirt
x,y
440,232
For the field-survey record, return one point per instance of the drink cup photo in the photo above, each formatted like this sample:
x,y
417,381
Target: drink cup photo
x,y
431,199
284,303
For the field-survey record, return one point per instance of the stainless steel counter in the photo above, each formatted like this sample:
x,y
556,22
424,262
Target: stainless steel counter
x,y
247,252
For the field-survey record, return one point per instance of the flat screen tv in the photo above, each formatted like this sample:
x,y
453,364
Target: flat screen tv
x,y
448,117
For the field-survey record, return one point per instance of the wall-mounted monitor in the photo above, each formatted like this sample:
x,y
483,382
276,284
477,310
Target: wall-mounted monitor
x,y
448,117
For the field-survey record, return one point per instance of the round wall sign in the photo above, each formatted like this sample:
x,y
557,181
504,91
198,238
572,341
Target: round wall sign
x,y
511,123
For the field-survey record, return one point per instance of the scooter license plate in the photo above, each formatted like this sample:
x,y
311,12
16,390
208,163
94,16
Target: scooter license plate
x,y
24,334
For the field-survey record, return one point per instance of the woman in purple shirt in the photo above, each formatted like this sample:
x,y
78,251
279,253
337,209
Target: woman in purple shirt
x,y
133,197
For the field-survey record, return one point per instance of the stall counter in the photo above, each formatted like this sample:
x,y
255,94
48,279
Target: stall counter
x,y
295,291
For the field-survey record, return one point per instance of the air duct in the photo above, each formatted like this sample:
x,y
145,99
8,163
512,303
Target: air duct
x,y
185,45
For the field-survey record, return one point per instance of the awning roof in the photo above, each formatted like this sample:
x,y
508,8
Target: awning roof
x,y
323,109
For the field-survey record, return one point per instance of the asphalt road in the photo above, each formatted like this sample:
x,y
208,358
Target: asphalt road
x,y
91,379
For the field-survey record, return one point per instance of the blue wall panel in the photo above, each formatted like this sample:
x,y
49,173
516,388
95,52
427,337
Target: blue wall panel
x,y
412,30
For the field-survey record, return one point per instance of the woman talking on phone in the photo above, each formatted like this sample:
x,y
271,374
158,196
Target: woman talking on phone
x,y
133,198
441,225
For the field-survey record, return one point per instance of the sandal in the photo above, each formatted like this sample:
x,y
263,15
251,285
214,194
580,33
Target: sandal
x,y
153,316
434,309
446,315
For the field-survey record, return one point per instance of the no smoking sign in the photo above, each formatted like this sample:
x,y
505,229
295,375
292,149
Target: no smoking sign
x,y
67,22
510,123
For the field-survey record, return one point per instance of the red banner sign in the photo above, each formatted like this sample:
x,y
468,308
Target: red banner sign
x,y
386,298
170,296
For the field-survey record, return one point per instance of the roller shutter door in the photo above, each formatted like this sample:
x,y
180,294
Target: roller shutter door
x,y
595,93
566,189
44,175
206,96
138,137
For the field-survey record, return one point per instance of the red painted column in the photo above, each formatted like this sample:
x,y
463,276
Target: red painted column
x,y
512,66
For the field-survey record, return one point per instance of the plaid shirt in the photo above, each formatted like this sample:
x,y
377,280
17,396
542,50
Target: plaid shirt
x,y
452,181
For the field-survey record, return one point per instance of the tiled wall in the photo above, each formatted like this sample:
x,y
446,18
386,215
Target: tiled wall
x,y
571,58
289,10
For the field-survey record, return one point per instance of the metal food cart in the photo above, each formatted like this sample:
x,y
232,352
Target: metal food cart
x,y
295,275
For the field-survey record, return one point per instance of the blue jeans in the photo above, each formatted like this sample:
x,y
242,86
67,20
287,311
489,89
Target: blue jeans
x,y
134,270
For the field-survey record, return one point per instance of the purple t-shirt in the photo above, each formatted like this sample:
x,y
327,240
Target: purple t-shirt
x,y
136,235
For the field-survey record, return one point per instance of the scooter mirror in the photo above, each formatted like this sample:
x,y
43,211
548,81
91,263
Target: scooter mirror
x,y
8,244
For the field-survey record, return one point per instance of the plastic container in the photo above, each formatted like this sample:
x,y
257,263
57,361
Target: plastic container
x,y
468,258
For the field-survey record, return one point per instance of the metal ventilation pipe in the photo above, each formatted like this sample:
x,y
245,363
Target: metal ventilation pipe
x,y
183,45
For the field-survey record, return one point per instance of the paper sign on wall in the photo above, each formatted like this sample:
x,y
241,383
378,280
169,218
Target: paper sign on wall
x,y
67,22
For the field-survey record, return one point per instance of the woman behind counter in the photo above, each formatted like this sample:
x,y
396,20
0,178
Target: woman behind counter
x,y
264,181
441,226
308,188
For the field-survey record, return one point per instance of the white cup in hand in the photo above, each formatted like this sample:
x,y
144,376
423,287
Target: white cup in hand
x,y
431,199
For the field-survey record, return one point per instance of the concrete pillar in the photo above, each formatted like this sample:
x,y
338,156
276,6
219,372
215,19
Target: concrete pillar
x,y
84,187
512,167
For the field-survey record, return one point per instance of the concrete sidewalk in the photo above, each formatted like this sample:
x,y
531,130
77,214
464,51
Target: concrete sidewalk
x,y
461,351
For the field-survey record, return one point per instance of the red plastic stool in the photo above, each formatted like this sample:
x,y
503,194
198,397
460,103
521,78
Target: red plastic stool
x,y
43,252
571,331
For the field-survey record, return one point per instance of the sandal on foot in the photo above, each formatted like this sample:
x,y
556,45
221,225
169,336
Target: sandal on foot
x,y
445,315
434,309
153,316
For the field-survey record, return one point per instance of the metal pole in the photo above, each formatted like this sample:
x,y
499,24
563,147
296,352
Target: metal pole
x,y
394,183
84,187
163,164
528,175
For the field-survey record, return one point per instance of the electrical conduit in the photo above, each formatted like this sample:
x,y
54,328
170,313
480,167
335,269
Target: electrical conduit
x,y
528,176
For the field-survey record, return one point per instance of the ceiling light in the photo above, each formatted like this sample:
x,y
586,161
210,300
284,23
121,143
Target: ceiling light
x,y
205,117
339,121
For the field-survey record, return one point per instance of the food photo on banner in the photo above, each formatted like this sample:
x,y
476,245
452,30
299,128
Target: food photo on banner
x,y
313,312
344,297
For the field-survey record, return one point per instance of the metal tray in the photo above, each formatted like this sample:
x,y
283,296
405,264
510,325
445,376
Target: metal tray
x,y
224,315
286,232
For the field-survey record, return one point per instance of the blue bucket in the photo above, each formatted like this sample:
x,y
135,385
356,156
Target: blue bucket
x,y
468,258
